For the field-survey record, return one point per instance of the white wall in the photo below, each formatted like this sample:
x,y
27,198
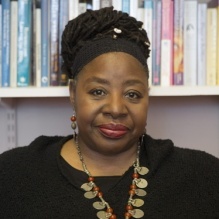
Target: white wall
x,y
191,122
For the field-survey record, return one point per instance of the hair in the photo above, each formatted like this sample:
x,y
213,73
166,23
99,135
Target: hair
x,y
98,24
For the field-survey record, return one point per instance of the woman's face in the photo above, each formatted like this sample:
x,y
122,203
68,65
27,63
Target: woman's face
x,y
111,102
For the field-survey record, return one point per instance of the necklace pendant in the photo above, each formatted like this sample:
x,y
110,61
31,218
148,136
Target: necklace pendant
x,y
140,192
90,194
103,215
137,202
87,186
142,170
136,213
99,205
141,183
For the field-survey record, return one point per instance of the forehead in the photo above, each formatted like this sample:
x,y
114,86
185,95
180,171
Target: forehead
x,y
114,65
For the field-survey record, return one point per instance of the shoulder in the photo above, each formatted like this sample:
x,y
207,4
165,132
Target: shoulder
x,y
36,148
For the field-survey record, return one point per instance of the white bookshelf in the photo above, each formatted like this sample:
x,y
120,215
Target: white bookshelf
x,y
39,92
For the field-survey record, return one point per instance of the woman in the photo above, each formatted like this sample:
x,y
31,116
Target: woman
x,y
111,168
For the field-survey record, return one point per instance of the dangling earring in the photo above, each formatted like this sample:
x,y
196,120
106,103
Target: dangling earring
x,y
74,126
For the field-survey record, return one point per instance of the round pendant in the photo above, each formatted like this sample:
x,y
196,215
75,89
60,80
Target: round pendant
x,y
137,213
142,170
87,187
137,202
90,194
140,192
99,205
102,215
141,183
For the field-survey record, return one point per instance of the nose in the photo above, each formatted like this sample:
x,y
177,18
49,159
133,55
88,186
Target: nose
x,y
115,106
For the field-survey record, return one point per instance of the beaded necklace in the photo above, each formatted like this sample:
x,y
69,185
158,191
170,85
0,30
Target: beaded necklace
x,y
136,188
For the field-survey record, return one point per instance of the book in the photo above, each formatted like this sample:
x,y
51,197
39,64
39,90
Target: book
x,y
133,8
217,79
73,9
211,64
105,3
96,4
24,43
190,42
63,20
0,42
201,44
13,42
126,6
82,6
178,42
5,43
117,4
37,43
54,43
156,46
147,16
45,45
167,43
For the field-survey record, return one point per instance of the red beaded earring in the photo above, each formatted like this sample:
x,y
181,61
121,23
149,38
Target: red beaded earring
x,y
74,125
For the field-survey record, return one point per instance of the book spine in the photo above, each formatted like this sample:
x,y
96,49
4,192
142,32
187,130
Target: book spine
x,y
117,4
201,44
126,6
133,8
38,43
63,20
167,43
156,46
73,9
211,46
24,39
45,48
106,3
96,4
5,43
82,6
148,25
54,43
140,13
217,82
0,42
178,42
13,43
190,43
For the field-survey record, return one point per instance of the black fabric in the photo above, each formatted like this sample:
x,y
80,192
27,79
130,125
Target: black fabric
x,y
77,177
182,183
94,48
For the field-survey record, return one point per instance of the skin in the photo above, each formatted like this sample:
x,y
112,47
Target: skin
x,y
111,89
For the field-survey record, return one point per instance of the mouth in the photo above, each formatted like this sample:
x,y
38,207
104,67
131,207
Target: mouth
x,y
113,131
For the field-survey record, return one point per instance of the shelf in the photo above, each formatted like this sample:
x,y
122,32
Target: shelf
x,y
63,91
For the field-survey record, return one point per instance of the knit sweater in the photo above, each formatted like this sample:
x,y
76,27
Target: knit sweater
x,y
182,183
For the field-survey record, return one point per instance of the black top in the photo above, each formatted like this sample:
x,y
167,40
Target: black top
x,y
36,183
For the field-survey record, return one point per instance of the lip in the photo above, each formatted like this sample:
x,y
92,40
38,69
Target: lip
x,y
112,130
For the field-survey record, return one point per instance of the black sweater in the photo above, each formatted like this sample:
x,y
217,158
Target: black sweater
x,y
182,183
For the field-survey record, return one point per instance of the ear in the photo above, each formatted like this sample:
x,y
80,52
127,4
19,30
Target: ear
x,y
72,91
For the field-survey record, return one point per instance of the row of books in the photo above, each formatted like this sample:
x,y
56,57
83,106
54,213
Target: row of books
x,y
184,37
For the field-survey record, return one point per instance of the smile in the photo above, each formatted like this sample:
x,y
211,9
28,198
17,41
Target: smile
x,y
113,130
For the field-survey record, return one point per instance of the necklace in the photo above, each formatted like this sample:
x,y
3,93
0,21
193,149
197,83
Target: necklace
x,y
136,188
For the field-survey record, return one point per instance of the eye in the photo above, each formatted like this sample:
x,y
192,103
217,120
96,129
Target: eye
x,y
133,95
98,92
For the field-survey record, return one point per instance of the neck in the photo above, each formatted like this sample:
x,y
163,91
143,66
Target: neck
x,y
97,163
102,165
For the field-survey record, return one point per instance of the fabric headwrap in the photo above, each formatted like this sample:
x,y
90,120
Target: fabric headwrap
x,y
97,47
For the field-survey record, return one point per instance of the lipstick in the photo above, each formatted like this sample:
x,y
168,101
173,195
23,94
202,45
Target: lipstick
x,y
112,130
